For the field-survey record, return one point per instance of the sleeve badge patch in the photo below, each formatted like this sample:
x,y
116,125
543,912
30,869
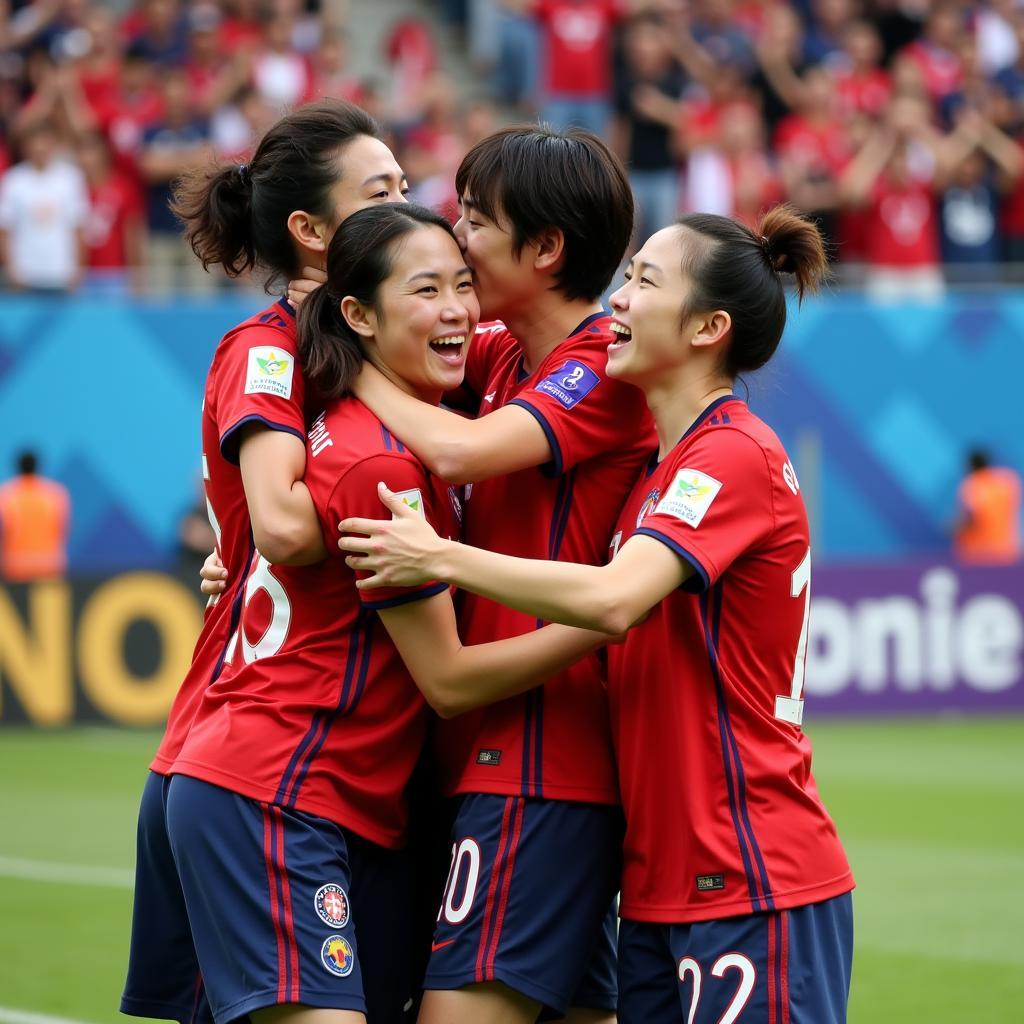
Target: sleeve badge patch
x,y
569,385
689,496
269,372
413,499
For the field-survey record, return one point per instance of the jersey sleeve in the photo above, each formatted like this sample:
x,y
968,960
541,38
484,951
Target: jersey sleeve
x,y
582,411
356,496
717,504
258,381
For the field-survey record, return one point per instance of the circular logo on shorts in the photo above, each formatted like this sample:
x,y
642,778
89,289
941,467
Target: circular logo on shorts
x,y
331,905
338,956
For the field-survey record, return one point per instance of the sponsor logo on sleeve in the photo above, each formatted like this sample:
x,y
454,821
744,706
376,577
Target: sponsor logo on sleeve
x,y
269,372
338,956
331,905
569,385
414,499
689,496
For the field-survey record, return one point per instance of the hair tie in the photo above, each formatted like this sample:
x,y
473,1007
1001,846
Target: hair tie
x,y
243,173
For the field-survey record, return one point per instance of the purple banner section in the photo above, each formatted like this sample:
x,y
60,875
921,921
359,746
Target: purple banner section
x,y
903,638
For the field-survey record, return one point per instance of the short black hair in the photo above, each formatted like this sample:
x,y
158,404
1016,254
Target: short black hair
x,y
534,178
28,463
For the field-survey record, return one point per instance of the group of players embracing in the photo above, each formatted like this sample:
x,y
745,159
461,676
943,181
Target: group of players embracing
x,y
554,628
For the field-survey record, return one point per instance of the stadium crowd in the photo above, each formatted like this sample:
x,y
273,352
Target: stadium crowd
x,y
897,123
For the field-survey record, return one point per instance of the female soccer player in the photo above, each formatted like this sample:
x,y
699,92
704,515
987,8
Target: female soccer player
x,y
289,788
735,893
311,170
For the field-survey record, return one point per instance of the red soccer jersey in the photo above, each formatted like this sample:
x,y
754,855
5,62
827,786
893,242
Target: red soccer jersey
x,y
722,813
253,377
577,40
554,741
112,206
902,226
315,709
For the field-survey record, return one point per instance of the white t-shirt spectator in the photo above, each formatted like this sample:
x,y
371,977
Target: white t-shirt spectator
x,y
42,211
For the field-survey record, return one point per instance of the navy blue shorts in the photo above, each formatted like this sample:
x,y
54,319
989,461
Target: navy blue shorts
x,y
241,905
788,967
530,901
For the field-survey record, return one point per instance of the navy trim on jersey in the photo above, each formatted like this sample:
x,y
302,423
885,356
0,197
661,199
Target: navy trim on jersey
x,y
416,595
286,306
555,467
689,585
654,461
587,322
320,725
231,454
390,440
734,775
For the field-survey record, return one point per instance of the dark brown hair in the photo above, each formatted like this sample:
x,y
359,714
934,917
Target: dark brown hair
x,y
740,271
359,258
237,214
533,178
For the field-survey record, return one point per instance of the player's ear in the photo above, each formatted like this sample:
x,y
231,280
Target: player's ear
x,y
548,248
360,318
307,230
712,328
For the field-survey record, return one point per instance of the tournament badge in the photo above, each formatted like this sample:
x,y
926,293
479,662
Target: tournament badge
x,y
331,905
338,956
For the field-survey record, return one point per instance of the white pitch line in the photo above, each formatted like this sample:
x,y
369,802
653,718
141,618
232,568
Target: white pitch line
x,y
8,1015
69,874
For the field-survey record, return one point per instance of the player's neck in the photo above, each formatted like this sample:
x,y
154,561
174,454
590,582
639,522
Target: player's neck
x,y
547,322
677,402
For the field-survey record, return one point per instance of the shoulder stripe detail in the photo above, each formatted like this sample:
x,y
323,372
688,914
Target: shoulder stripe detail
x,y
232,456
757,879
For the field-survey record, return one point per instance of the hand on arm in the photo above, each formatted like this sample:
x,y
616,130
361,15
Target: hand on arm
x,y
405,551
285,526
457,449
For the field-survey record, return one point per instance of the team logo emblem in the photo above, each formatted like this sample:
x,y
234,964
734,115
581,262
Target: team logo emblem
x,y
572,381
412,498
338,956
648,506
331,905
273,365
569,384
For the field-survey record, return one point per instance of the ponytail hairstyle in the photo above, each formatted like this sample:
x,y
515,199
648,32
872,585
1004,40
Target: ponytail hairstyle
x,y
740,271
359,259
237,214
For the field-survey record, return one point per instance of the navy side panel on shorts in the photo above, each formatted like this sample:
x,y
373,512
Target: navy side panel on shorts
x,y
163,973
529,890
788,967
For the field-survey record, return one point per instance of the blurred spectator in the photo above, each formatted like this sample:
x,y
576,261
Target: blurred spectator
x,y
213,77
576,75
43,208
176,143
412,53
998,47
331,74
863,84
984,164
649,87
35,515
113,224
434,147
987,530
824,41
281,75
517,69
893,179
159,30
780,65
935,52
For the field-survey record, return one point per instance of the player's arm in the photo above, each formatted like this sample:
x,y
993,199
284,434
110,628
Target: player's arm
x,y
454,678
405,551
285,527
454,448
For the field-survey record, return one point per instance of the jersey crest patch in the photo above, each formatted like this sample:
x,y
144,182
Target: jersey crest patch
x,y
269,372
414,499
650,502
569,385
338,956
331,905
689,496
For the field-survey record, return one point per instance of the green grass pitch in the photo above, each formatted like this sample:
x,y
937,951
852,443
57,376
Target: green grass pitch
x,y
931,812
